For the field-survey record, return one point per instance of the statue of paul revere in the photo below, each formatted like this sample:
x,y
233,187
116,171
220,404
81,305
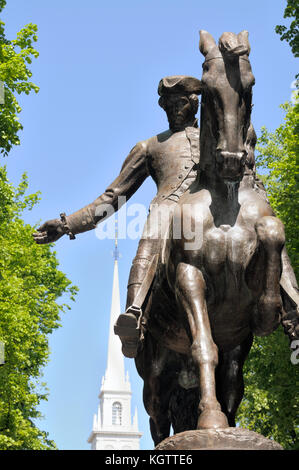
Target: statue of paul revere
x,y
171,159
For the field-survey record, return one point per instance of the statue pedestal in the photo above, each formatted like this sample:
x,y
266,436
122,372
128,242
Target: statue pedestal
x,y
218,439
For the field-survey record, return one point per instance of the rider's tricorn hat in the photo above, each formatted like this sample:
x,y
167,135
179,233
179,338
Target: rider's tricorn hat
x,y
179,84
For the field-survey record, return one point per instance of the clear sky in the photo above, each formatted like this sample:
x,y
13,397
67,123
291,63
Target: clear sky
x,y
98,72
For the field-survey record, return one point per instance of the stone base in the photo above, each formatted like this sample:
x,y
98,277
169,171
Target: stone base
x,y
218,439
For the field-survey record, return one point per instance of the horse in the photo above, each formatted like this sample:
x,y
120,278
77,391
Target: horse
x,y
208,301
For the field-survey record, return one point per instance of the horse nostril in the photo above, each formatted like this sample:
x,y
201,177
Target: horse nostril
x,y
231,161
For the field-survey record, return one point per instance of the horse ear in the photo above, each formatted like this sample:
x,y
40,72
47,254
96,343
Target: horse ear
x,y
243,39
206,42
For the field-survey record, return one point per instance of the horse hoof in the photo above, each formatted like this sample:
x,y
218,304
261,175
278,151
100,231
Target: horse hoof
x,y
212,419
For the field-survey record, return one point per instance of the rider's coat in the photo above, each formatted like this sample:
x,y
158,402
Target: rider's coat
x,y
171,159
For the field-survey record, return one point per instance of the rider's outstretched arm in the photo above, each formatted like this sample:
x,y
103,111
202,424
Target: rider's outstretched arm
x,y
133,173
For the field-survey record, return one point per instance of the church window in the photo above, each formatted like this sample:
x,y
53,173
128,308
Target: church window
x,y
116,413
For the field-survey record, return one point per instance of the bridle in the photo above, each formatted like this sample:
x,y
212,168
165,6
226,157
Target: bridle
x,y
221,57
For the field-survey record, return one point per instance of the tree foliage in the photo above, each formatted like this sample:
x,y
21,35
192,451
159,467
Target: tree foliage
x,y
291,33
30,283
271,404
15,56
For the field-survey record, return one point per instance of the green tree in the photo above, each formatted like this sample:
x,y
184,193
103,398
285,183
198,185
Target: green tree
x,y
30,283
15,56
291,33
271,404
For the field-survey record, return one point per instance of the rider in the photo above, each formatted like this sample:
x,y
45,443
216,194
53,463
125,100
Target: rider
x,y
171,159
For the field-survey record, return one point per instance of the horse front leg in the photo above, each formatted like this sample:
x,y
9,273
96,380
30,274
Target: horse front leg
x,y
190,293
266,318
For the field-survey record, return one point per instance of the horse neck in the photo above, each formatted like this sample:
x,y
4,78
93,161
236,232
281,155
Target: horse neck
x,y
207,174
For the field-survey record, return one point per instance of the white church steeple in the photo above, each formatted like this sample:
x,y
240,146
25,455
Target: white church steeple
x,y
115,373
113,427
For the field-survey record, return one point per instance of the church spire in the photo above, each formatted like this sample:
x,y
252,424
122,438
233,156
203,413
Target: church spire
x,y
115,373
113,427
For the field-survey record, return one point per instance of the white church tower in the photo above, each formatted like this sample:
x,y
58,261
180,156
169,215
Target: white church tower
x,y
113,427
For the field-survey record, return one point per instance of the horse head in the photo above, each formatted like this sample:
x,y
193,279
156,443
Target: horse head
x,y
227,82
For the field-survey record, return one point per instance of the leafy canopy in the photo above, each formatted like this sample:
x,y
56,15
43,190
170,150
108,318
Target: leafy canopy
x,y
15,56
30,285
291,33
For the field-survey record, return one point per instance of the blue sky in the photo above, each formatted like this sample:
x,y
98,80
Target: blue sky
x,y
98,73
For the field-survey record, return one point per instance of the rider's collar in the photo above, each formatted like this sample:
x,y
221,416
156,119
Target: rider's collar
x,y
195,125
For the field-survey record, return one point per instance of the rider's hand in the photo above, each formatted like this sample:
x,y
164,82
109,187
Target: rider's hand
x,y
49,232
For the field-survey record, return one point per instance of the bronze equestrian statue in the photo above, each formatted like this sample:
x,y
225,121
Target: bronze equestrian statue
x,y
205,303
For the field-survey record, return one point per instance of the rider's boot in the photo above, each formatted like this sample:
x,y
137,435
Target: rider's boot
x,y
127,328
127,325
